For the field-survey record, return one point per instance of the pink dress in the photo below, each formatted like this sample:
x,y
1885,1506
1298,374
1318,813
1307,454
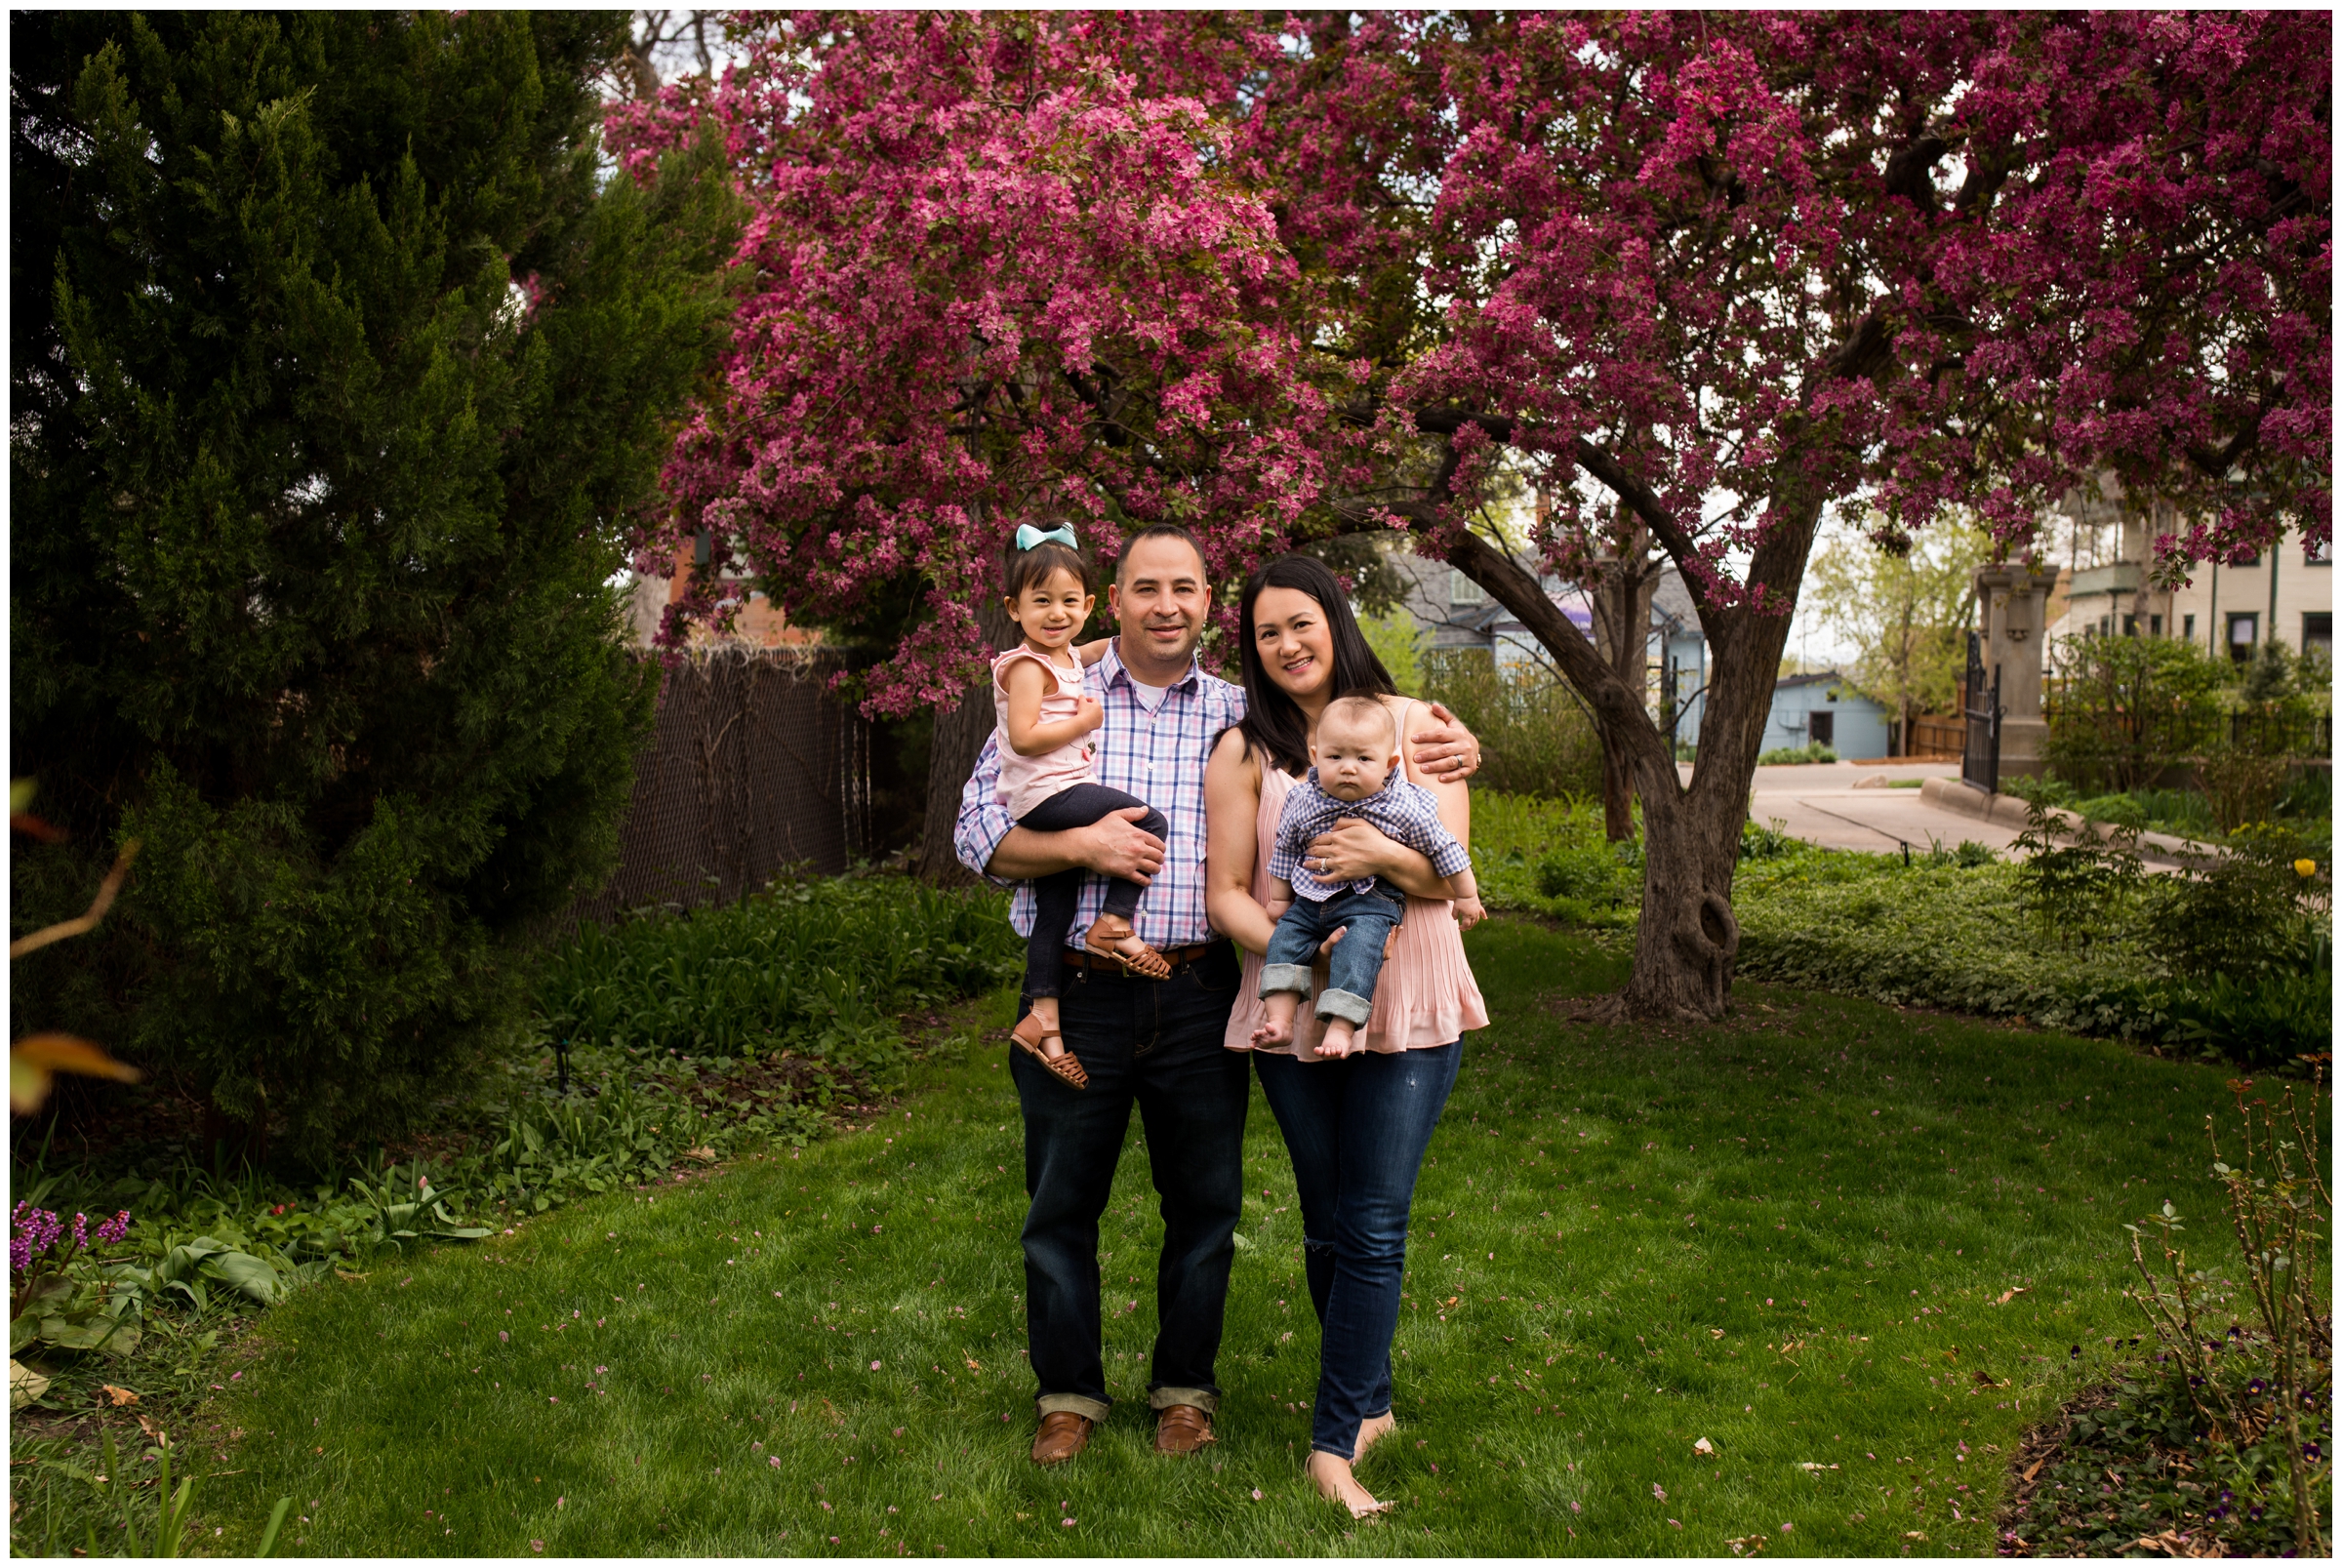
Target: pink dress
x,y
1027,781
1426,996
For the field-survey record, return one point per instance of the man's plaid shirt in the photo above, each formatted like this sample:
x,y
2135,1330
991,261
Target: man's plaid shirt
x,y
1403,810
1157,756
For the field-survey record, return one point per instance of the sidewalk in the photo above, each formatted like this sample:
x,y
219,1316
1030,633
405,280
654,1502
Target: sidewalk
x,y
1851,805
1828,803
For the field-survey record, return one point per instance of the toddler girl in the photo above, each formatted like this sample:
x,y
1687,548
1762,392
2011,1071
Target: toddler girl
x,y
1049,778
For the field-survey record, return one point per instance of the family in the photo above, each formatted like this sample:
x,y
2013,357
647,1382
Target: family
x,y
1156,820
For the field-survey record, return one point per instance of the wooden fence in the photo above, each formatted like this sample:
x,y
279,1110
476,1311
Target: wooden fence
x,y
1936,735
752,767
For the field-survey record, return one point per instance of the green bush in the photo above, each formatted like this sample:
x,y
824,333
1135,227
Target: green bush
x,y
342,372
2123,709
1784,755
814,966
1535,738
2247,913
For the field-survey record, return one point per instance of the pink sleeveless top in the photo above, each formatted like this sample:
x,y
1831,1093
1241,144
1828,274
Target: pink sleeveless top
x,y
1027,781
1424,996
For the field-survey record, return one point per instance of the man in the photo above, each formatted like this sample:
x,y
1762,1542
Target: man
x,y
1154,1042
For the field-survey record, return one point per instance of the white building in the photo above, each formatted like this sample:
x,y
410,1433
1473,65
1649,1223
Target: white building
x,y
2104,543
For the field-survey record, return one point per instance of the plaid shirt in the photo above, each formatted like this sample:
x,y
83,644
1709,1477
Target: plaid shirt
x,y
1402,809
1157,756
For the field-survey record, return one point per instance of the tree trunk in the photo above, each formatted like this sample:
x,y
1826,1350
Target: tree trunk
x,y
959,734
1688,938
1622,620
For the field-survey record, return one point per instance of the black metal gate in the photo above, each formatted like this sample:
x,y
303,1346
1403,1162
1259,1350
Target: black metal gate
x,y
1980,758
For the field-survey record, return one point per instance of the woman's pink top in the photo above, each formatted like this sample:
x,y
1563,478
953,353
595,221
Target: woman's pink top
x,y
1027,781
1425,994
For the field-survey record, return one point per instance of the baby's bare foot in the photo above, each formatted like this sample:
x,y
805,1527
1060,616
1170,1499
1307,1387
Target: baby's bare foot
x,y
1373,1429
1336,1041
1272,1033
1336,1484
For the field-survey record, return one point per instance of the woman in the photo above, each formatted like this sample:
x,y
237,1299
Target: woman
x,y
1355,1126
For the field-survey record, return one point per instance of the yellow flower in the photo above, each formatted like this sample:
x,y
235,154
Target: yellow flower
x,y
2305,868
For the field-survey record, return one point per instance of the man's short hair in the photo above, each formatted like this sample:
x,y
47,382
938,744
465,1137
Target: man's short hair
x,y
1362,711
1159,531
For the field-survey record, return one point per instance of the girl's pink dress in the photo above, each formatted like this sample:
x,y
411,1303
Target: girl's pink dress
x,y
1027,781
1426,996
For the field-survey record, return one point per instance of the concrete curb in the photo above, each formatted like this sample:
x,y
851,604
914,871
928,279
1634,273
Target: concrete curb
x,y
2007,811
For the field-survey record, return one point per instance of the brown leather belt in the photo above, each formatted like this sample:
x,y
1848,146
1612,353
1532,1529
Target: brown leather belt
x,y
1177,957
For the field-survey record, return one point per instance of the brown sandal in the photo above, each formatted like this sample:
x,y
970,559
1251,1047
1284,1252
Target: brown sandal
x,y
1146,963
1029,1034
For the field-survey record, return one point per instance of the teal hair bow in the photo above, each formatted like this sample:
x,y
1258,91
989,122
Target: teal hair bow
x,y
1030,537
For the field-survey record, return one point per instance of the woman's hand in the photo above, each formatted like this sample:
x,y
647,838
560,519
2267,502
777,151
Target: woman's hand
x,y
1353,849
1448,752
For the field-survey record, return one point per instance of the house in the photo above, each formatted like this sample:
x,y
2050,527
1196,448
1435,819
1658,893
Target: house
x,y
2105,540
1825,710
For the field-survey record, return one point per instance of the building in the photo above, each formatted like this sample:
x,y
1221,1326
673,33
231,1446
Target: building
x,y
2105,540
760,623
1825,710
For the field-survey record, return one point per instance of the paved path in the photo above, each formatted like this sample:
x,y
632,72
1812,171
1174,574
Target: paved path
x,y
1826,803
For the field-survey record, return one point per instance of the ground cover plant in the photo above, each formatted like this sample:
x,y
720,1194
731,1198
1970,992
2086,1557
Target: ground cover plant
x,y
1859,1251
626,1076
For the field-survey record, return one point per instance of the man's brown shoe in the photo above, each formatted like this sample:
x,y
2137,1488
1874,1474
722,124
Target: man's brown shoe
x,y
1063,1433
1182,1430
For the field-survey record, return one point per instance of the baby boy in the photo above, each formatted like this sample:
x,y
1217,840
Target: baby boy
x,y
1353,775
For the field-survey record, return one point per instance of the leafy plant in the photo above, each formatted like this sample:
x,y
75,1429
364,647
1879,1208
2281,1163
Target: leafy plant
x,y
327,624
1536,738
1787,755
2278,1198
2083,891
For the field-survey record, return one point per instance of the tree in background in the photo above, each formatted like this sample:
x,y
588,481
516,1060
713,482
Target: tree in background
x,y
339,383
1700,275
1906,605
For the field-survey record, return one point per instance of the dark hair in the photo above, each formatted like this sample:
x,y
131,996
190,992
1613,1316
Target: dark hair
x,y
1272,722
1162,531
1021,568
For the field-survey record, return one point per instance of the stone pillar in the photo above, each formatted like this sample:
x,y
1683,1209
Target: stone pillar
x,y
2013,600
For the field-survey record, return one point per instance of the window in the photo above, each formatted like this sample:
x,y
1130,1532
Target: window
x,y
2321,553
2187,627
2130,625
2243,631
2105,625
2155,625
1820,727
1462,590
2246,558
2317,631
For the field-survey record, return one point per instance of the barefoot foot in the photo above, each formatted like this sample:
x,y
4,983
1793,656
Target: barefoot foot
x,y
1273,1034
1331,1476
1372,1430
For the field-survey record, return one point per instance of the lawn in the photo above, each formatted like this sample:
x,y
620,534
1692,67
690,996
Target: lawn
x,y
1794,1235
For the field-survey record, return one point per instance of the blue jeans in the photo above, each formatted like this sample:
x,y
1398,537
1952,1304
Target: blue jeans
x,y
1356,1128
1355,964
1159,1044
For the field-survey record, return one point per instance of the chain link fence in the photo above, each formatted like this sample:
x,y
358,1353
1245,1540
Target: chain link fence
x,y
753,767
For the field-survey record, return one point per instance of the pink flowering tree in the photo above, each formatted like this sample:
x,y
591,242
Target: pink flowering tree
x,y
1697,277
1703,276
995,273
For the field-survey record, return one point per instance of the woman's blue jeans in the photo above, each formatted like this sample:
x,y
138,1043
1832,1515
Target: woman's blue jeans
x,y
1356,1128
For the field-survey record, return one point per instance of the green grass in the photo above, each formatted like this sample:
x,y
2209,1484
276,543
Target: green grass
x,y
1618,1232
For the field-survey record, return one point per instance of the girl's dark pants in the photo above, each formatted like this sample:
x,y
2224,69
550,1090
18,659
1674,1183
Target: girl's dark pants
x,y
1055,895
1357,1127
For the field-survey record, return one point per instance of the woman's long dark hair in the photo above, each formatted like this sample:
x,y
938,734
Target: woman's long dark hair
x,y
1273,724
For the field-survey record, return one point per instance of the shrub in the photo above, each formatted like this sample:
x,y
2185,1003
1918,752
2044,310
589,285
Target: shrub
x,y
1535,738
1785,755
2246,914
1399,643
341,376
814,966
2123,709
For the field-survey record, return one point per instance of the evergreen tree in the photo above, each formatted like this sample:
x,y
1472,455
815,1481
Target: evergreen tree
x,y
342,367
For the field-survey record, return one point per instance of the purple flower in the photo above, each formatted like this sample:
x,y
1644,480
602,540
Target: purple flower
x,y
81,1232
116,1229
2310,1452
